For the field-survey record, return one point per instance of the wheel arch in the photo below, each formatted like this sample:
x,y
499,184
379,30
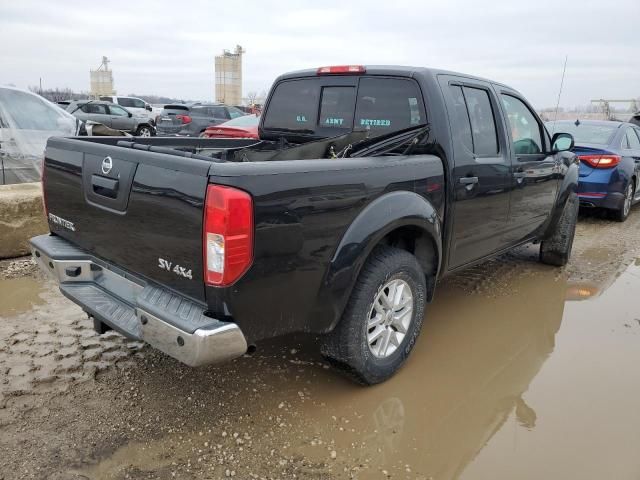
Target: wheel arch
x,y
567,186
401,219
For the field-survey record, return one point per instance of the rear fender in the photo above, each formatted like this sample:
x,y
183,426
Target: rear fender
x,y
383,216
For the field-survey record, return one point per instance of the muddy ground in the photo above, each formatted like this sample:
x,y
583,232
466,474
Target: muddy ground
x,y
522,371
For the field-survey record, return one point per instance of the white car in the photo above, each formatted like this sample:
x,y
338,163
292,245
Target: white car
x,y
26,122
135,105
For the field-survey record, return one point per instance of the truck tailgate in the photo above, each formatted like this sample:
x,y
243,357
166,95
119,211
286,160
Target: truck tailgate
x,y
140,210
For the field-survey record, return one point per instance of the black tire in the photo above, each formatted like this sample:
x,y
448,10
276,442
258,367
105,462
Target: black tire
x,y
622,213
347,347
556,250
144,131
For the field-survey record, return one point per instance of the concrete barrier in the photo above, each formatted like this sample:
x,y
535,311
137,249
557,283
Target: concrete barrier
x,y
21,217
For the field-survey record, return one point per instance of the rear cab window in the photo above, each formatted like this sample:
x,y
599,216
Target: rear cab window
x,y
175,110
334,105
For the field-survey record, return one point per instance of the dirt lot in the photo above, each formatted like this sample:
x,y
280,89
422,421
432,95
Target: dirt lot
x,y
521,371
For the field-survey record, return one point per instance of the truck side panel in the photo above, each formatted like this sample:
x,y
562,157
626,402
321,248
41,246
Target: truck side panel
x,y
302,211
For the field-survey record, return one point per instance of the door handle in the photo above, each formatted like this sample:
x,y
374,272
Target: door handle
x,y
519,175
468,182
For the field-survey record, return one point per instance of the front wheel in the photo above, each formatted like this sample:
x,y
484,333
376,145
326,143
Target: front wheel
x,y
556,249
382,320
144,131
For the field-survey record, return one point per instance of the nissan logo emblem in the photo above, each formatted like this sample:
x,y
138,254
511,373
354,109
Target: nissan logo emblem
x,y
107,165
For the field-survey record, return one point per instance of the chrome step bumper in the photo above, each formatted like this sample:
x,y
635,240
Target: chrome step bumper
x,y
139,310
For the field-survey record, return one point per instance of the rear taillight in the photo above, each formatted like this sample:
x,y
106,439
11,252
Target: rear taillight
x,y
43,182
228,234
184,118
337,69
600,161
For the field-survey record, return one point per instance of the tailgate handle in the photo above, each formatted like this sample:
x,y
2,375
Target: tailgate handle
x,y
107,187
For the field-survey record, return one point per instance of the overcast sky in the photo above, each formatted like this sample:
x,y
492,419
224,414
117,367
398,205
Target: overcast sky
x,y
167,48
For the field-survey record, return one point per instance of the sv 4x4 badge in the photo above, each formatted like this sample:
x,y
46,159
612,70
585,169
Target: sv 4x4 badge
x,y
177,269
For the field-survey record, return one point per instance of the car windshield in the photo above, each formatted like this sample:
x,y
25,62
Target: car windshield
x,y
26,122
244,121
599,134
27,111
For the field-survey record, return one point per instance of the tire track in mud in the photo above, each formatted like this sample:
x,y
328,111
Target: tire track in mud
x,y
52,347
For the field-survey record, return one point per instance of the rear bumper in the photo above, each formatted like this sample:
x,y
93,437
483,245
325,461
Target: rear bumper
x,y
603,188
139,310
611,200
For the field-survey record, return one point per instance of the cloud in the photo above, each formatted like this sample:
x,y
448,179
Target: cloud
x,y
167,48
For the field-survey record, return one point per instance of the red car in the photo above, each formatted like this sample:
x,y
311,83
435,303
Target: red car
x,y
239,127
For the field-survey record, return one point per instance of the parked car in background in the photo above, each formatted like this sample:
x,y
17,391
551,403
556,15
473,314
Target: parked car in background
x,y
26,122
135,105
635,119
111,115
609,154
240,127
192,120
63,103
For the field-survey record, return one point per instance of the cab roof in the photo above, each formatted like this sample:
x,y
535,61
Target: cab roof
x,y
390,70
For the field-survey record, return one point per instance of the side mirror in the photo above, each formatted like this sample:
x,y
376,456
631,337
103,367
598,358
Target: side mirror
x,y
130,114
148,108
561,142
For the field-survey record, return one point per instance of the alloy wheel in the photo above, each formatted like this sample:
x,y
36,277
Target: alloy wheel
x,y
389,318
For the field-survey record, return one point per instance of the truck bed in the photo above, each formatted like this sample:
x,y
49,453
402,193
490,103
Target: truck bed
x,y
147,212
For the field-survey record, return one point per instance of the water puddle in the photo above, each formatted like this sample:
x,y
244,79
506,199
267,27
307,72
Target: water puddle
x,y
18,295
528,385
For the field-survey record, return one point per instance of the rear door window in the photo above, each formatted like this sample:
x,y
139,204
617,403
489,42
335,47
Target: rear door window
x,y
632,141
460,117
96,108
483,125
388,104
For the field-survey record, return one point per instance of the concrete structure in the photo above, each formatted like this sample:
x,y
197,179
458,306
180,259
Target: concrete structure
x,y
21,217
228,70
102,80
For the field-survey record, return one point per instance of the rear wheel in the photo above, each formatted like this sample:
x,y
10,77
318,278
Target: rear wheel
x,y
144,131
623,212
556,250
382,320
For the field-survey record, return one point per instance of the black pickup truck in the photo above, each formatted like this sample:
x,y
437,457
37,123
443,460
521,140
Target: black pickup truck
x,y
367,185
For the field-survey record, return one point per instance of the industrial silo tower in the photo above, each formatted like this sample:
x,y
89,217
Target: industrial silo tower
x,y
102,80
228,70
